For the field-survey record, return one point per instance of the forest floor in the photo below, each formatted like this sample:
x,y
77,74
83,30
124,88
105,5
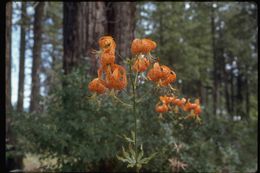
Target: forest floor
x,y
32,163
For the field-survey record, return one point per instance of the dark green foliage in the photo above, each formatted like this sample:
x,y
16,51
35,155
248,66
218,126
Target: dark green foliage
x,y
85,133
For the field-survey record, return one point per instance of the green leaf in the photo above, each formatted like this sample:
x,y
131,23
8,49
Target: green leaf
x,y
128,139
133,154
147,159
140,155
121,158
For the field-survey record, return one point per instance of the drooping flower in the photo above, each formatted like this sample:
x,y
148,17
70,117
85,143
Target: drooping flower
x,y
155,73
168,76
166,99
116,77
189,106
141,64
97,85
148,45
107,43
197,109
107,58
137,46
162,75
161,108
142,46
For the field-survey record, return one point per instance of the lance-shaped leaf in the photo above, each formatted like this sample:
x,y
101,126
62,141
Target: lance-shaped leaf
x,y
147,159
140,155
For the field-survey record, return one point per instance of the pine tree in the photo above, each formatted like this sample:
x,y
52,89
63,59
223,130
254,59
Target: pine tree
x,y
23,26
37,35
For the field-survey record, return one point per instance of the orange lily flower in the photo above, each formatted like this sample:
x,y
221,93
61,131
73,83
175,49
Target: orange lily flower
x,y
161,108
189,106
141,64
107,58
142,46
166,99
116,77
97,85
136,46
197,109
148,45
167,80
168,76
107,43
161,74
155,73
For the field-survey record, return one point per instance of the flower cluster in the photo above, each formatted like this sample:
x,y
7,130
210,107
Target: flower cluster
x,y
141,47
168,103
110,75
160,74
113,76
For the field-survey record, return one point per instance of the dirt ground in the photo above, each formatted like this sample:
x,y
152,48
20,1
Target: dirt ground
x,y
31,162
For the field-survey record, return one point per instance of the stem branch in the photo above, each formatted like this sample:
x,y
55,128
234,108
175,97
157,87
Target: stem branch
x,y
133,82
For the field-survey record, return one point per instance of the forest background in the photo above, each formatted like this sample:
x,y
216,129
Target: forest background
x,y
212,47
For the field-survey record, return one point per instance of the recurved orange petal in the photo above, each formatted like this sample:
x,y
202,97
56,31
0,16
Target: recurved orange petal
x,y
161,108
155,73
106,42
141,64
97,85
148,45
136,46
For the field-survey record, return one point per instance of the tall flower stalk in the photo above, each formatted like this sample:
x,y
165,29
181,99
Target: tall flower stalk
x,y
134,85
112,77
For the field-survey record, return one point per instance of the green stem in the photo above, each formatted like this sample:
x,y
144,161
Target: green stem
x,y
119,100
133,82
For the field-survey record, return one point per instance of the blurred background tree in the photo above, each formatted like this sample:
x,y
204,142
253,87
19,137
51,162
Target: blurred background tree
x,y
212,47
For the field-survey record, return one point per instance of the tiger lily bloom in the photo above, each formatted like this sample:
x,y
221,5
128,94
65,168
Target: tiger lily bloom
x,y
169,78
148,45
161,108
155,73
116,77
142,46
189,106
107,58
107,43
166,99
162,75
141,64
97,85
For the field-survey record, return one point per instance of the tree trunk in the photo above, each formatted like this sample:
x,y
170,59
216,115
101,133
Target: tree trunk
x,y
215,74
37,32
233,99
247,98
22,58
124,27
8,68
227,94
14,161
83,24
239,95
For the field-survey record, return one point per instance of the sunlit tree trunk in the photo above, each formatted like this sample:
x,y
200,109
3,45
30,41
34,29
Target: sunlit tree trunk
x,y
22,58
12,162
37,37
